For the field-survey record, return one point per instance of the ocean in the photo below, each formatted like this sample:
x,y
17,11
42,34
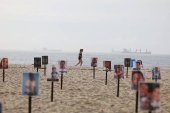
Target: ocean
x,y
27,57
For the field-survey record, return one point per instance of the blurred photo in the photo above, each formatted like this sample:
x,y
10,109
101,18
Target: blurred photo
x,y
156,74
138,66
137,76
118,71
44,60
62,66
141,64
4,63
94,61
37,62
149,97
30,84
127,62
106,65
52,74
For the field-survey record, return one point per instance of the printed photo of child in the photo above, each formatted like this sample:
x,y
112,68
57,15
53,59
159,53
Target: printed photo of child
x,y
156,73
106,66
62,66
4,63
138,66
149,96
52,74
94,61
137,76
118,71
30,84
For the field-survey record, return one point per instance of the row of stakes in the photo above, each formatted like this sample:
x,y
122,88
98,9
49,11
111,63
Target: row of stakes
x,y
29,109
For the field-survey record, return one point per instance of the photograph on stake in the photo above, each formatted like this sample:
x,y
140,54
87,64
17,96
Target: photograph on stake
x,y
138,66
4,63
52,73
118,71
149,96
136,77
156,73
94,61
127,62
62,64
30,84
37,62
44,60
107,66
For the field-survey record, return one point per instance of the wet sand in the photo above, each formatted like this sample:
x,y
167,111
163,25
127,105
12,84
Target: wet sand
x,y
78,86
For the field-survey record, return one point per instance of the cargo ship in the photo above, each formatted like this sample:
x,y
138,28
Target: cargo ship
x,y
135,52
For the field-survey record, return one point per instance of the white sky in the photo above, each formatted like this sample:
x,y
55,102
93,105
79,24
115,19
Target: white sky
x,y
94,25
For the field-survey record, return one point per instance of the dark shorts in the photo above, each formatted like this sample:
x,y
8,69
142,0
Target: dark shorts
x,y
79,58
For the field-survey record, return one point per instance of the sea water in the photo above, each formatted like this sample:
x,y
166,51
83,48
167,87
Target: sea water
x,y
27,57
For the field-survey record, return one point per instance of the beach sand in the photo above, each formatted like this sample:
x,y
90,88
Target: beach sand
x,y
78,86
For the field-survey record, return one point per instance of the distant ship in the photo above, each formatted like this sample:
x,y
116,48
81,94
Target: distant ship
x,y
135,52
45,49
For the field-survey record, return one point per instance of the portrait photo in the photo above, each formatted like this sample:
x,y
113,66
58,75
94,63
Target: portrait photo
x,y
118,72
127,62
156,73
136,77
62,64
106,66
52,73
44,60
30,84
149,97
4,63
138,66
37,62
141,64
94,61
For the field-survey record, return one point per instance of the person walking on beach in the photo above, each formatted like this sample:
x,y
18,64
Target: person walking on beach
x,y
80,58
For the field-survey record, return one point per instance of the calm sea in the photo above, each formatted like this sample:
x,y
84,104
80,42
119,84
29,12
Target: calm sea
x,y
27,57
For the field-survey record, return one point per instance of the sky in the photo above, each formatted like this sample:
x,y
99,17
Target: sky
x,y
94,25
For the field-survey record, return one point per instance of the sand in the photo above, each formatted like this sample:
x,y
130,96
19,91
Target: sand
x,y
78,86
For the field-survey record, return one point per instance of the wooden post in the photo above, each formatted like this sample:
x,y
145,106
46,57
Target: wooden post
x,y
93,72
37,69
45,69
3,75
61,79
106,78
51,91
118,88
136,101
127,73
29,108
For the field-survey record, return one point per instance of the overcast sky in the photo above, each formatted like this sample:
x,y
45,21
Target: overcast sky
x,y
94,25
